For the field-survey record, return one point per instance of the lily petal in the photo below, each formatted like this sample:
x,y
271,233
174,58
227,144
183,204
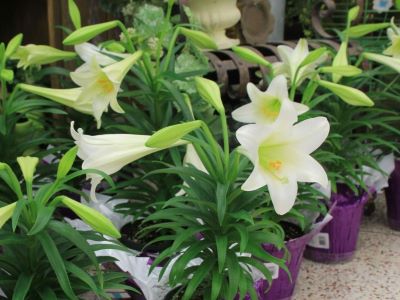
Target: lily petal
x,y
255,181
308,135
283,195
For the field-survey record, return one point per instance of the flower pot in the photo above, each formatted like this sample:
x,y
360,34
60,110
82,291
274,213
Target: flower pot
x,y
215,16
393,198
282,287
337,241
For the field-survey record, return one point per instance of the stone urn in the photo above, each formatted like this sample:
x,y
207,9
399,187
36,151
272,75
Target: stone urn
x,y
215,16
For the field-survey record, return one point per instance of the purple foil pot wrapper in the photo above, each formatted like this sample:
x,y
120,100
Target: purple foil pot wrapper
x,y
393,198
342,232
282,287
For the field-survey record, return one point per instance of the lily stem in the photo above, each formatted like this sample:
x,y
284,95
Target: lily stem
x,y
131,48
171,48
225,134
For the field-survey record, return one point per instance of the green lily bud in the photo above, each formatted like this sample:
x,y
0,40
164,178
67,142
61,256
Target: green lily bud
x,y
199,38
347,71
210,92
39,55
28,167
391,62
250,56
168,136
7,75
340,60
115,47
348,94
353,13
13,45
6,213
86,33
91,217
364,29
74,14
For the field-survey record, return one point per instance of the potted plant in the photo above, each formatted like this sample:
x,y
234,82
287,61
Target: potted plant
x,y
391,59
357,141
42,256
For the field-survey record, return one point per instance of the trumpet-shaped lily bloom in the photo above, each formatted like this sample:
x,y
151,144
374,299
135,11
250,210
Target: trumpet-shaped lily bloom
x,y
67,97
101,86
87,51
291,60
269,106
281,157
110,152
394,37
31,54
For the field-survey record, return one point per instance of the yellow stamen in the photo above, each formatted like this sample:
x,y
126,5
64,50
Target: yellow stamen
x,y
106,85
275,165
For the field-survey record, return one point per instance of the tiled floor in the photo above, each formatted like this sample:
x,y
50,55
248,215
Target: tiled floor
x,y
373,273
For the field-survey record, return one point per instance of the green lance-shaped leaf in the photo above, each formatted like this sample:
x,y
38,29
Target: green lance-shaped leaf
x,y
168,136
250,56
91,217
66,162
365,29
348,94
313,56
199,38
86,33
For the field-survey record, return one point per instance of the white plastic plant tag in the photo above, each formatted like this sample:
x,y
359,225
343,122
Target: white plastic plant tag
x,y
320,241
274,269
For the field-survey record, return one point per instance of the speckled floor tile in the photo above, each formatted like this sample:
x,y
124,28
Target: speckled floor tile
x,y
373,273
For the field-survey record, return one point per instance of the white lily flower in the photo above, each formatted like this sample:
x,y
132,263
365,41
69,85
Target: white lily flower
x,y
110,152
291,60
269,106
394,37
67,97
281,157
191,158
87,51
101,86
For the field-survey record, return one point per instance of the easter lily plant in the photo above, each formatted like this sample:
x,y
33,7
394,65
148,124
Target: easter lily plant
x,y
42,256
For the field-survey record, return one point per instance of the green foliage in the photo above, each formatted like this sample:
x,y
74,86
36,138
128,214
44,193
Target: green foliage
x,y
43,257
217,224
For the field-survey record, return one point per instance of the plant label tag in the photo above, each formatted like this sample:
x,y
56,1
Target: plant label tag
x,y
320,241
274,269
